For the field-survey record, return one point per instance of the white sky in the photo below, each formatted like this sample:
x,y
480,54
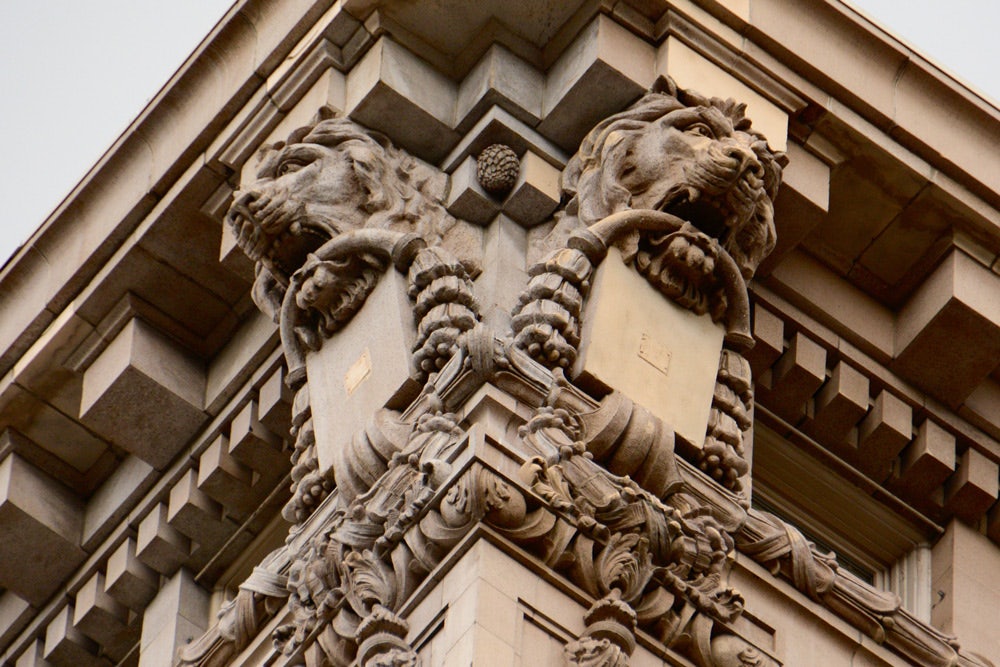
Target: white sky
x,y
74,73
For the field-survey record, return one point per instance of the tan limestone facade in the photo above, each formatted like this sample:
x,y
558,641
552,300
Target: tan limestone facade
x,y
627,333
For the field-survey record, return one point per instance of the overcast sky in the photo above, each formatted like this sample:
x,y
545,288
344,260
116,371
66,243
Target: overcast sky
x,y
74,73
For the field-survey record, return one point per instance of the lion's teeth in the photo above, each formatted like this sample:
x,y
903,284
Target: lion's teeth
x,y
693,194
295,228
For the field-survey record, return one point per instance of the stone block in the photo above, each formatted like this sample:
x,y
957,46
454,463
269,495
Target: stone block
x,y
535,194
467,199
274,404
127,579
144,394
886,430
926,462
948,333
15,613
660,355
226,480
361,368
500,78
769,337
254,445
399,94
691,70
842,307
972,488
115,497
66,646
33,656
178,614
192,513
802,203
603,70
839,406
98,615
965,564
504,276
41,522
795,377
159,545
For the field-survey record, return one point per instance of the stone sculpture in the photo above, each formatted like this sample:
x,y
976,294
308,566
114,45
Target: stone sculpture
x,y
607,494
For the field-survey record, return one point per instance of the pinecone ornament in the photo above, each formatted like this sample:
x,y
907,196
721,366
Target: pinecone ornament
x,y
496,168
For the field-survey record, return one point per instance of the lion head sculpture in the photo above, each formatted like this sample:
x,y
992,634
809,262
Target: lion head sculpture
x,y
688,155
327,179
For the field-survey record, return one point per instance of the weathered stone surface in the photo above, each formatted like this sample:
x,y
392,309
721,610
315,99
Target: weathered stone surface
x,y
65,646
659,355
42,523
98,615
948,334
159,545
604,69
363,367
128,580
178,614
972,488
144,394
692,70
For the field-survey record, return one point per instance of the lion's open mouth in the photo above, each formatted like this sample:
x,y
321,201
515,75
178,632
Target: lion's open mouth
x,y
288,250
282,253
709,213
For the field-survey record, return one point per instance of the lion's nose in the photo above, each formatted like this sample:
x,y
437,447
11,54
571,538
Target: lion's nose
x,y
745,159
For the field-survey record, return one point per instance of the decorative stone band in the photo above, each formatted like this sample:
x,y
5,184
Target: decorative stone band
x,y
879,614
353,567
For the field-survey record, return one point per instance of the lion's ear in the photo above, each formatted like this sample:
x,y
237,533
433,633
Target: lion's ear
x,y
664,84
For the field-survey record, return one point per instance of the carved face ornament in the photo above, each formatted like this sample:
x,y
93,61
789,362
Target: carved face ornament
x,y
694,165
307,193
695,158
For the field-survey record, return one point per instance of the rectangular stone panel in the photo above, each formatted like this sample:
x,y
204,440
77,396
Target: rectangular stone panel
x,y
41,522
362,367
144,394
658,354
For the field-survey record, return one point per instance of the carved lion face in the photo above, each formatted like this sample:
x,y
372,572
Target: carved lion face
x,y
690,156
307,191
327,179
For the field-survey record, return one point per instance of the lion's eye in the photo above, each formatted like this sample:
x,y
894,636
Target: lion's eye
x,y
701,130
289,166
